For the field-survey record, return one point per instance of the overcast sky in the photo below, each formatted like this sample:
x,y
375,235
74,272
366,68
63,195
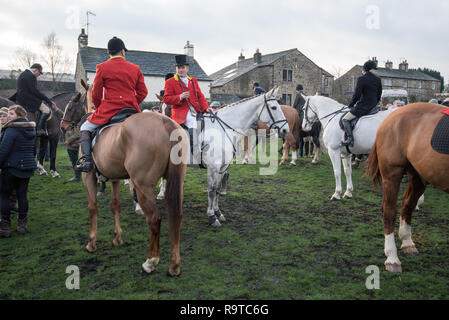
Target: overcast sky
x,y
335,34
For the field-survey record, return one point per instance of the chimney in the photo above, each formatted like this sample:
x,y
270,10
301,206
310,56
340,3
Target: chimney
x,y
389,65
403,66
188,49
82,39
257,56
375,60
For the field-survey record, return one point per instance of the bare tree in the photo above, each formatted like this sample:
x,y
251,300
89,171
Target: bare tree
x,y
54,58
23,59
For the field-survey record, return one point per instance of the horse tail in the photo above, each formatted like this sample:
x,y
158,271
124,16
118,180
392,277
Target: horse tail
x,y
372,168
175,175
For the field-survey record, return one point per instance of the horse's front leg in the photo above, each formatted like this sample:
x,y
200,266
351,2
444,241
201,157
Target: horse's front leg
x,y
213,183
335,156
115,208
348,173
90,182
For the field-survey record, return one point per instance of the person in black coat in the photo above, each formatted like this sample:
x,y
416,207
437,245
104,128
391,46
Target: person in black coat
x,y
258,89
17,162
29,97
367,95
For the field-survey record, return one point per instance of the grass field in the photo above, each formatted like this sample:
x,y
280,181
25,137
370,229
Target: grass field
x,y
282,240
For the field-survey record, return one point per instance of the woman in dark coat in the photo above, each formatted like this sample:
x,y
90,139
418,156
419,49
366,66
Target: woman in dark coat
x,y
17,162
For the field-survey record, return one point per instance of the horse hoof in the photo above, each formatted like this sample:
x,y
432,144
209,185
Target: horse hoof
x,y
150,265
220,216
117,243
160,197
334,198
91,248
410,250
222,193
175,272
347,196
213,221
100,194
293,163
314,162
396,268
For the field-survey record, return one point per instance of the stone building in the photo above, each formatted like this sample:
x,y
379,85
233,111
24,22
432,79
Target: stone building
x,y
419,86
154,66
286,69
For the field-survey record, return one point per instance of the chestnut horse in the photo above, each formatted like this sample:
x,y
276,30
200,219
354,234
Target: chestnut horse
x,y
403,144
142,149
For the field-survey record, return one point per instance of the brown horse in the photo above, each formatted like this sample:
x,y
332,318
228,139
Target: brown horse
x,y
293,137
403,144
143,148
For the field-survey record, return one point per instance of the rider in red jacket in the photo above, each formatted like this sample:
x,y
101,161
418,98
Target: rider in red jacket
x,y
183,93
118,84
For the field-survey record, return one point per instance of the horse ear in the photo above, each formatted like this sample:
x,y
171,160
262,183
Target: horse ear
x,y
270,93
85,86
77,97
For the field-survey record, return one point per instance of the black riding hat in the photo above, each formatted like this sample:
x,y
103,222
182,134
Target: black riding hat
x,y
115,45
299,87
181,60
370,64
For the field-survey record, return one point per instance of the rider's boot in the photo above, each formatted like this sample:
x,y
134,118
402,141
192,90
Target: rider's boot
x,y
41,129
85,162
350,140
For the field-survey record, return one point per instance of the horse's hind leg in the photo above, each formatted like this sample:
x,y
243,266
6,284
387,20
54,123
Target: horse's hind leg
x,y
213,182
390,188
414,190
348,173
286,148
90,181
115,208
153,219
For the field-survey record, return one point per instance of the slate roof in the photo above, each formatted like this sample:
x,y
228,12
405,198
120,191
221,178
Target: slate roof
x,y
151,63
239,68
410,74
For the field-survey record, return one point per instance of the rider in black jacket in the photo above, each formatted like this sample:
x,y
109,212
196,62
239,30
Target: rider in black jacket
x,y
29,97
367,95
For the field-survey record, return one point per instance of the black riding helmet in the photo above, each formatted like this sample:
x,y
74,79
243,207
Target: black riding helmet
x,y
369,65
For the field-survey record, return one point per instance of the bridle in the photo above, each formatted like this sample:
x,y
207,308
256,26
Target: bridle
x,y
72,122
214,117
306,111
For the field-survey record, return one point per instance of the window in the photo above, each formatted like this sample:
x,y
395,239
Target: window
x,y
326,82
405,83
287,75
287,99
434,85
388,82
419,84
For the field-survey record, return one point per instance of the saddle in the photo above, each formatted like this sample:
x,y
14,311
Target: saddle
x,y
440,137
354,122
119,117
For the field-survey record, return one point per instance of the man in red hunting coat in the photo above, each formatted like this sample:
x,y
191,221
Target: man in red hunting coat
x,y
183,93
118,84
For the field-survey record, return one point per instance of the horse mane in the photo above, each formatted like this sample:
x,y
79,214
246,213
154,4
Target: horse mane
x,y
238,102
327,99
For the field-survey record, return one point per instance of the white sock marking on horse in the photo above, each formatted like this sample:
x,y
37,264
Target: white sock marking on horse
x,y
150,265
405,233
390,250
163,186
139,209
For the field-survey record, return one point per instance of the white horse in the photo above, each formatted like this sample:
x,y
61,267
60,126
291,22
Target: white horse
x,y
329,112
222,132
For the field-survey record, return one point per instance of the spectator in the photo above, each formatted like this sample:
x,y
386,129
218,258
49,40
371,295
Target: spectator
x,y
72,141
3,118
17,161
388,106
258,89
397,103
434,101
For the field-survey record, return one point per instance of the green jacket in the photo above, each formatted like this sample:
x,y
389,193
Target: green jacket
x,y
73,137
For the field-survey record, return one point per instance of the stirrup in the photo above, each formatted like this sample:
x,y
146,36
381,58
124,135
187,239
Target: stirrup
x,y
83,164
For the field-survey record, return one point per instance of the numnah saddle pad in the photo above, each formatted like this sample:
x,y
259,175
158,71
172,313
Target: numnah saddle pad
x,y
440,138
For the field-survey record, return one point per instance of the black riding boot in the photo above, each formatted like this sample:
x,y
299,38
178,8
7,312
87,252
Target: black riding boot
x,y
85,162
350,140
41,129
